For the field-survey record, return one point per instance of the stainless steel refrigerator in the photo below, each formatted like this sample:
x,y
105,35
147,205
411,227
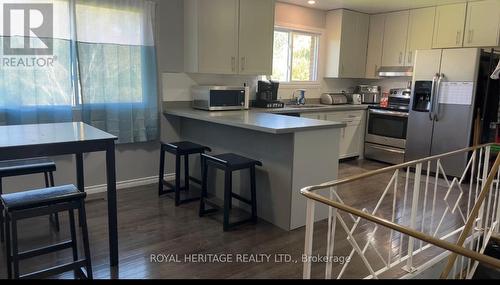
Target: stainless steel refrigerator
x,y
442,106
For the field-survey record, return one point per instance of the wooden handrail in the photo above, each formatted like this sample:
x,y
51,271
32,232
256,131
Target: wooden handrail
x,y
405,230
388,169
472,217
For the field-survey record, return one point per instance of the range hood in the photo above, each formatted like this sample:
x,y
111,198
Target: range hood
x,y
395,71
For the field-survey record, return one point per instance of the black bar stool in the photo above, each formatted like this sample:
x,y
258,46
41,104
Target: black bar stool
x,y
36,203
229,163
10,168
179,149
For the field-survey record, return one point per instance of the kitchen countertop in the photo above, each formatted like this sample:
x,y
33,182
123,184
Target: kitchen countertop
x,y
264,120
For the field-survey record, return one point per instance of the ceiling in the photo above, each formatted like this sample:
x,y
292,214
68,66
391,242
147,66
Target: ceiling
x,y
372,6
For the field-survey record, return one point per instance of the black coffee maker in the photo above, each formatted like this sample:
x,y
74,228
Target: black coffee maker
x,y
267,94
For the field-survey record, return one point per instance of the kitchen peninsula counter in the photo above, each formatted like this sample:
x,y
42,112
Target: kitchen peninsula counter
x,y
295,152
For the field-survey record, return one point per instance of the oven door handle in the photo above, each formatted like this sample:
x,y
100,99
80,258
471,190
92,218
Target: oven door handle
x,y
389,113
433,92
387,149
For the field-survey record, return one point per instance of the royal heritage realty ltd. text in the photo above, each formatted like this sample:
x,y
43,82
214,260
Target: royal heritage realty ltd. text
x,y
244,258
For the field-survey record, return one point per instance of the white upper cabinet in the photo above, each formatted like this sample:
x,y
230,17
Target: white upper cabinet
x,y
483,24
217,36
395,34
449,26
256,35
347,39
420,31
375,45
228,36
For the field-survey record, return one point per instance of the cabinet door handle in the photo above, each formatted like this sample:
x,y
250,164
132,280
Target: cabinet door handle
x,y
233,63
376,70
410,57
458,37
400,57
243,61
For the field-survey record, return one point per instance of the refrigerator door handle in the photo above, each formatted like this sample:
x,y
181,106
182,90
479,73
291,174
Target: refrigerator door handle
x,y
433,89
438,95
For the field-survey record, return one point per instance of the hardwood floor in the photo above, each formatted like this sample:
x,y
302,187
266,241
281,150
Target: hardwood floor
x,y
149,225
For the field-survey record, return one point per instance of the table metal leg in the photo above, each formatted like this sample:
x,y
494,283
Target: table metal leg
x,y
112,209
80,179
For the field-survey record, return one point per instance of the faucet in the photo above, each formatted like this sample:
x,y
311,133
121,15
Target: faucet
x,y
301,99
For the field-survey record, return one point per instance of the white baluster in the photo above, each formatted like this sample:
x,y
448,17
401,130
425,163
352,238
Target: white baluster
x,y
413,217
309,238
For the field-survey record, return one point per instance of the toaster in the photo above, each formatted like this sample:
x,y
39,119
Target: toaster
x,y
334,99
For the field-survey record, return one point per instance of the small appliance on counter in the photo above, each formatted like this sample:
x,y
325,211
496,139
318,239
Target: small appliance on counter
x,y
369,94
221,98
334,98
354,99
267,95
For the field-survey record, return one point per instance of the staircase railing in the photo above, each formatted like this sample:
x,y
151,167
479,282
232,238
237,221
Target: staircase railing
x,y
433,219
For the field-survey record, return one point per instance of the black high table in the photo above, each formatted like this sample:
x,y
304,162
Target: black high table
x,y
28,141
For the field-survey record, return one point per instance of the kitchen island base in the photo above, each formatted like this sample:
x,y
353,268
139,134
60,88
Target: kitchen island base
x,y
290,160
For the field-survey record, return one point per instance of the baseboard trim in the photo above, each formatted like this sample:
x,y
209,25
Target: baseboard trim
x,y
96,189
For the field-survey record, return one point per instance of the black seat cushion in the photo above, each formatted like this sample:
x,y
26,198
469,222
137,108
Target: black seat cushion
x,y
26,166
233,161
41,197
185,147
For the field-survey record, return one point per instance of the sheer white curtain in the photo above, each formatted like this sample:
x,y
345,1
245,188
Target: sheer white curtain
x,y
117,64
36,88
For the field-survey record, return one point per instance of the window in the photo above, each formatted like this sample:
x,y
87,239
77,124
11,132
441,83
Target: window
x,y
295,57
32,80
111,61
86,67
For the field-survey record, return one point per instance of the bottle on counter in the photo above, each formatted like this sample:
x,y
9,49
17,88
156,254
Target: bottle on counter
x,y
384,101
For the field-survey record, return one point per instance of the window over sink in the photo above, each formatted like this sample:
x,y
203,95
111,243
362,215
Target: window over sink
x,y
295,57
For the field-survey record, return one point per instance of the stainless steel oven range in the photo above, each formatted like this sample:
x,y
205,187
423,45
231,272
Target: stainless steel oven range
x,y
385,138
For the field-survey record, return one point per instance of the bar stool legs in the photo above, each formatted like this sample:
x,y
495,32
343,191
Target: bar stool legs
x,y
229,163
49,182
2,222
15,248
253,191
85,238
13,257
8,252
161,175
181,151
177,187
228,193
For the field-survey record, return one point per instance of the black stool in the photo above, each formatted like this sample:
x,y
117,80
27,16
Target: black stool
x,y
10,168
35,203
179,149
229,163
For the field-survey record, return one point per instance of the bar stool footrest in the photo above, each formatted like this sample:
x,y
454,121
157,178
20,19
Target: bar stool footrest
x,y
215,208
45,250
240,198
77,265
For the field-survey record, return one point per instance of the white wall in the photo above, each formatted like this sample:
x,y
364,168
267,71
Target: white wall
x,y
176,86
300,16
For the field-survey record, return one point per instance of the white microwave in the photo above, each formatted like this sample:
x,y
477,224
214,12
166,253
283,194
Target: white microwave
x,y
220,98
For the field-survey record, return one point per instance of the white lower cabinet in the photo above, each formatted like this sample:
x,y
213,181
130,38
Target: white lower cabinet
x,y
352,136
315,116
